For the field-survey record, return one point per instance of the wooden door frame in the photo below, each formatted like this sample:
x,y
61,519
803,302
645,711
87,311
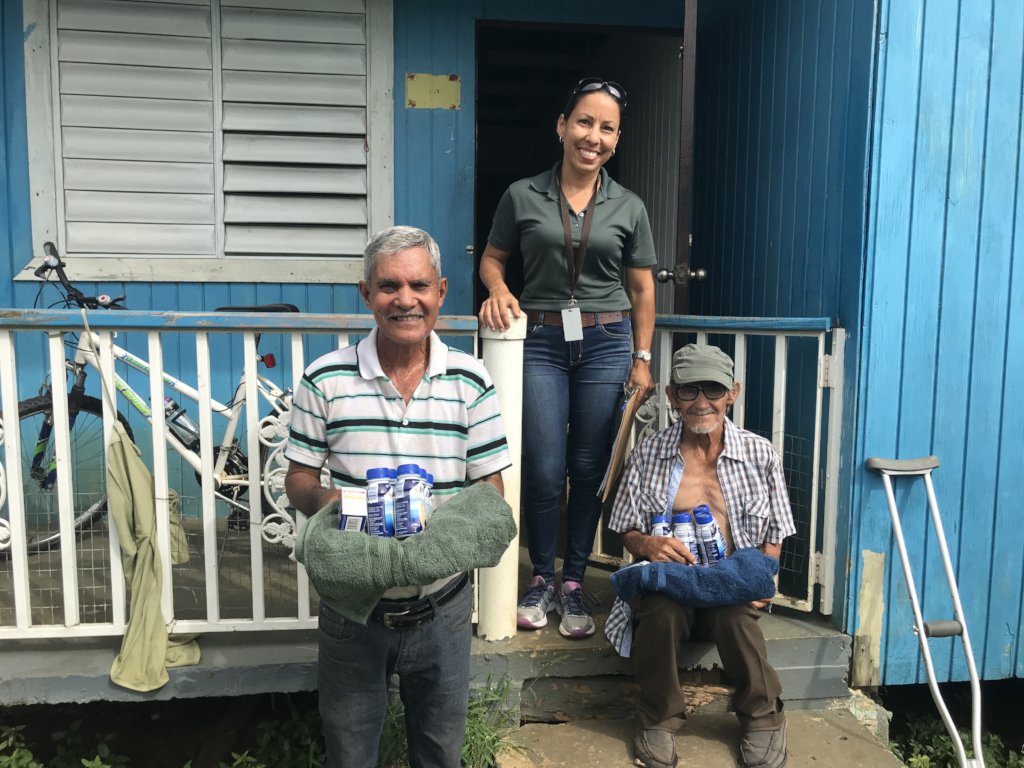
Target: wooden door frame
x,y
684,243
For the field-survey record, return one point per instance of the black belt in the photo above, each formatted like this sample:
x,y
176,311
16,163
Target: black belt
x,y
402,614
588,319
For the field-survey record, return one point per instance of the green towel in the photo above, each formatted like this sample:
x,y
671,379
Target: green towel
x,y
351,570
146,650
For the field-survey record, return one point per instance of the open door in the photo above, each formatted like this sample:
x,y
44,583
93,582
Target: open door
x,y
657,150
524,73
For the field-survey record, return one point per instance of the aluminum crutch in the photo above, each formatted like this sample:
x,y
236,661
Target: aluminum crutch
x,y
957,627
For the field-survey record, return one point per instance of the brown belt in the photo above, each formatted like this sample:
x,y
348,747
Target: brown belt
x,y
590,319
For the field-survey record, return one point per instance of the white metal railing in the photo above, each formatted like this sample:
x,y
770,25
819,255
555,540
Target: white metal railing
x,y
819,373
235,580
77,587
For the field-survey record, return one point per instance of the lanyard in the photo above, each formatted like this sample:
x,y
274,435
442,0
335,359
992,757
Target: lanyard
x,y
574,257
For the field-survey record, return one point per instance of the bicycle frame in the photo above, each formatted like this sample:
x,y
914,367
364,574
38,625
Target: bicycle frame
x,y
85,356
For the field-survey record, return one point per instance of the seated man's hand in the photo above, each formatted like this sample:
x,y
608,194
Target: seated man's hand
x,y
759,604
668,549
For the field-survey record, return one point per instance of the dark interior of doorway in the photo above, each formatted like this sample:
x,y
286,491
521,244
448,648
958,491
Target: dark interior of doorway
x,y
525,73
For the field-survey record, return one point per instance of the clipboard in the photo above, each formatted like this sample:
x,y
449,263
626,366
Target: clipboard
x,y
624,427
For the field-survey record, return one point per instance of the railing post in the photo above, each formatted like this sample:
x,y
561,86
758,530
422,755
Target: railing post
x,y
503,357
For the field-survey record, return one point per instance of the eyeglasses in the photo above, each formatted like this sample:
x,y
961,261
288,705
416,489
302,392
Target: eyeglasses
x,y
712,390
593,84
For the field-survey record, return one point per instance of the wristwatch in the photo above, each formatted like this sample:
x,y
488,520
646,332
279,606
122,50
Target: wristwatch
x,y
642,354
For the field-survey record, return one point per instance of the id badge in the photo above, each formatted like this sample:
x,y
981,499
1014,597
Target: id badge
x,y
572,324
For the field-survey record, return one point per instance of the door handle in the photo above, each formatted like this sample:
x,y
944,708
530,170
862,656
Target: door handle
x,y
681,275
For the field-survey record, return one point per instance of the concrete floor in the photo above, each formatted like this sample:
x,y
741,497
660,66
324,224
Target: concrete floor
x,y
819,739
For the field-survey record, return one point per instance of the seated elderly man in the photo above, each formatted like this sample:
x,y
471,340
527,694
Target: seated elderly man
x,y
702,459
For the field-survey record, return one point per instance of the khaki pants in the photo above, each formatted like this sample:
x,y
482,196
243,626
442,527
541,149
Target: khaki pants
x,y
662,624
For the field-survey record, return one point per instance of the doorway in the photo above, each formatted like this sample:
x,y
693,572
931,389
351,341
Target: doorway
x,y
524,75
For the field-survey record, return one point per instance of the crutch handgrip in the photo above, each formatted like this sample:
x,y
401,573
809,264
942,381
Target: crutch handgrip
x,y
950,628
903,466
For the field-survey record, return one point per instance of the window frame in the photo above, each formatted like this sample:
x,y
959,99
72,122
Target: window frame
x,y
43,151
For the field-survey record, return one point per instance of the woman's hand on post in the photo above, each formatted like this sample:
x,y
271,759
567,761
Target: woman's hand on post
x,y
499,309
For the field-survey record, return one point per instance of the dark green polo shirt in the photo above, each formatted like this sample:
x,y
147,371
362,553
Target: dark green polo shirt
x,y
528,218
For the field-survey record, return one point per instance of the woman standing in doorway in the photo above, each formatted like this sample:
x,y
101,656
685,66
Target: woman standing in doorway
x,y
588,296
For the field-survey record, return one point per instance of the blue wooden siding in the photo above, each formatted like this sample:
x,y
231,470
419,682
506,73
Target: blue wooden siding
x,y
942,363
782,115
781,124
14,198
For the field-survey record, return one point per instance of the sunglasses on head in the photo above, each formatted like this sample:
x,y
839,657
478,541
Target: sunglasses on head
x,y
594,84
712,390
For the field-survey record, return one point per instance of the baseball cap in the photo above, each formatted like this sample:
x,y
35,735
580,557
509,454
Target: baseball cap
x,y
701,362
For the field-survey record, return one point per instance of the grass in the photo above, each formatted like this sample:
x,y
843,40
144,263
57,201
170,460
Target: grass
x,y
925,743
919,738
489,729
288,736
73,750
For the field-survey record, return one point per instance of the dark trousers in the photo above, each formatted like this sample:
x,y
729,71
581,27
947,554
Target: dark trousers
x,y
571,390
432,662
662,624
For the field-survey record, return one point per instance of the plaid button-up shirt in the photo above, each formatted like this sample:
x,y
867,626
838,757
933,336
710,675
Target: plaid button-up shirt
x,y
753,487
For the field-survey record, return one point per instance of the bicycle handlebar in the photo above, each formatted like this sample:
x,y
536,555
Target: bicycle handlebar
x,y
52,261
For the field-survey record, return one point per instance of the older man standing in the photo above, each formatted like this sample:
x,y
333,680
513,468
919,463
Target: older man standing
x,y
702,459
398,396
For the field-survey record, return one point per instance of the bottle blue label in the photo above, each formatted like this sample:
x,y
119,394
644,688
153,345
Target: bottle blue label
x,y
380,512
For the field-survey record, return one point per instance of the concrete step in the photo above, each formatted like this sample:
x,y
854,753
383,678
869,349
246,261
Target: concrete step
x,y
562,679
816,739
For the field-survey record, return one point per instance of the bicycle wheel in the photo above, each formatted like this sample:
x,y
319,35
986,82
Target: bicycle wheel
x,y
88,469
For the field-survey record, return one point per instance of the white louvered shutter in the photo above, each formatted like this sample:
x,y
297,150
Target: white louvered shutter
x,y
211,128
294,126
136,140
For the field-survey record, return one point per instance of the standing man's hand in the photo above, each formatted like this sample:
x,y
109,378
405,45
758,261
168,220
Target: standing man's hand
x,y
302,484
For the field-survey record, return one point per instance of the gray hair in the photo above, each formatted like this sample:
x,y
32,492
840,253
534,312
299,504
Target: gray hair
x,y
394,240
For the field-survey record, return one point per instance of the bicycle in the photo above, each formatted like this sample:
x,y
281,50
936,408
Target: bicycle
x,y
230,472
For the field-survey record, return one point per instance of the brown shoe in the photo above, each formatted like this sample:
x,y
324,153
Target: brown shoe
x,y
764,748
654,748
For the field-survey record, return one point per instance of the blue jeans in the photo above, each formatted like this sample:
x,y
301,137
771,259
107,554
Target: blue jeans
x,y
432,662
571,391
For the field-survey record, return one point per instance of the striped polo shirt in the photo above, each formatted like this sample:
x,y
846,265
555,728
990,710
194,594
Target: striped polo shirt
x,y
348,416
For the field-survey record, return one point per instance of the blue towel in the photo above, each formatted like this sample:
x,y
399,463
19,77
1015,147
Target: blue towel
x,y
746,575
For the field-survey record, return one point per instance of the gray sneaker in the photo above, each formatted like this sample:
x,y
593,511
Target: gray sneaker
x,y
654,748
533,608
574,606
764,748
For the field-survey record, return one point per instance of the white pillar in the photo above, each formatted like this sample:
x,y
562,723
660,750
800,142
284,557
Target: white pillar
x,y
498,586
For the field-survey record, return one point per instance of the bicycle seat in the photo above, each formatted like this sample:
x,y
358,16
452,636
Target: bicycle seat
x,y
260,308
